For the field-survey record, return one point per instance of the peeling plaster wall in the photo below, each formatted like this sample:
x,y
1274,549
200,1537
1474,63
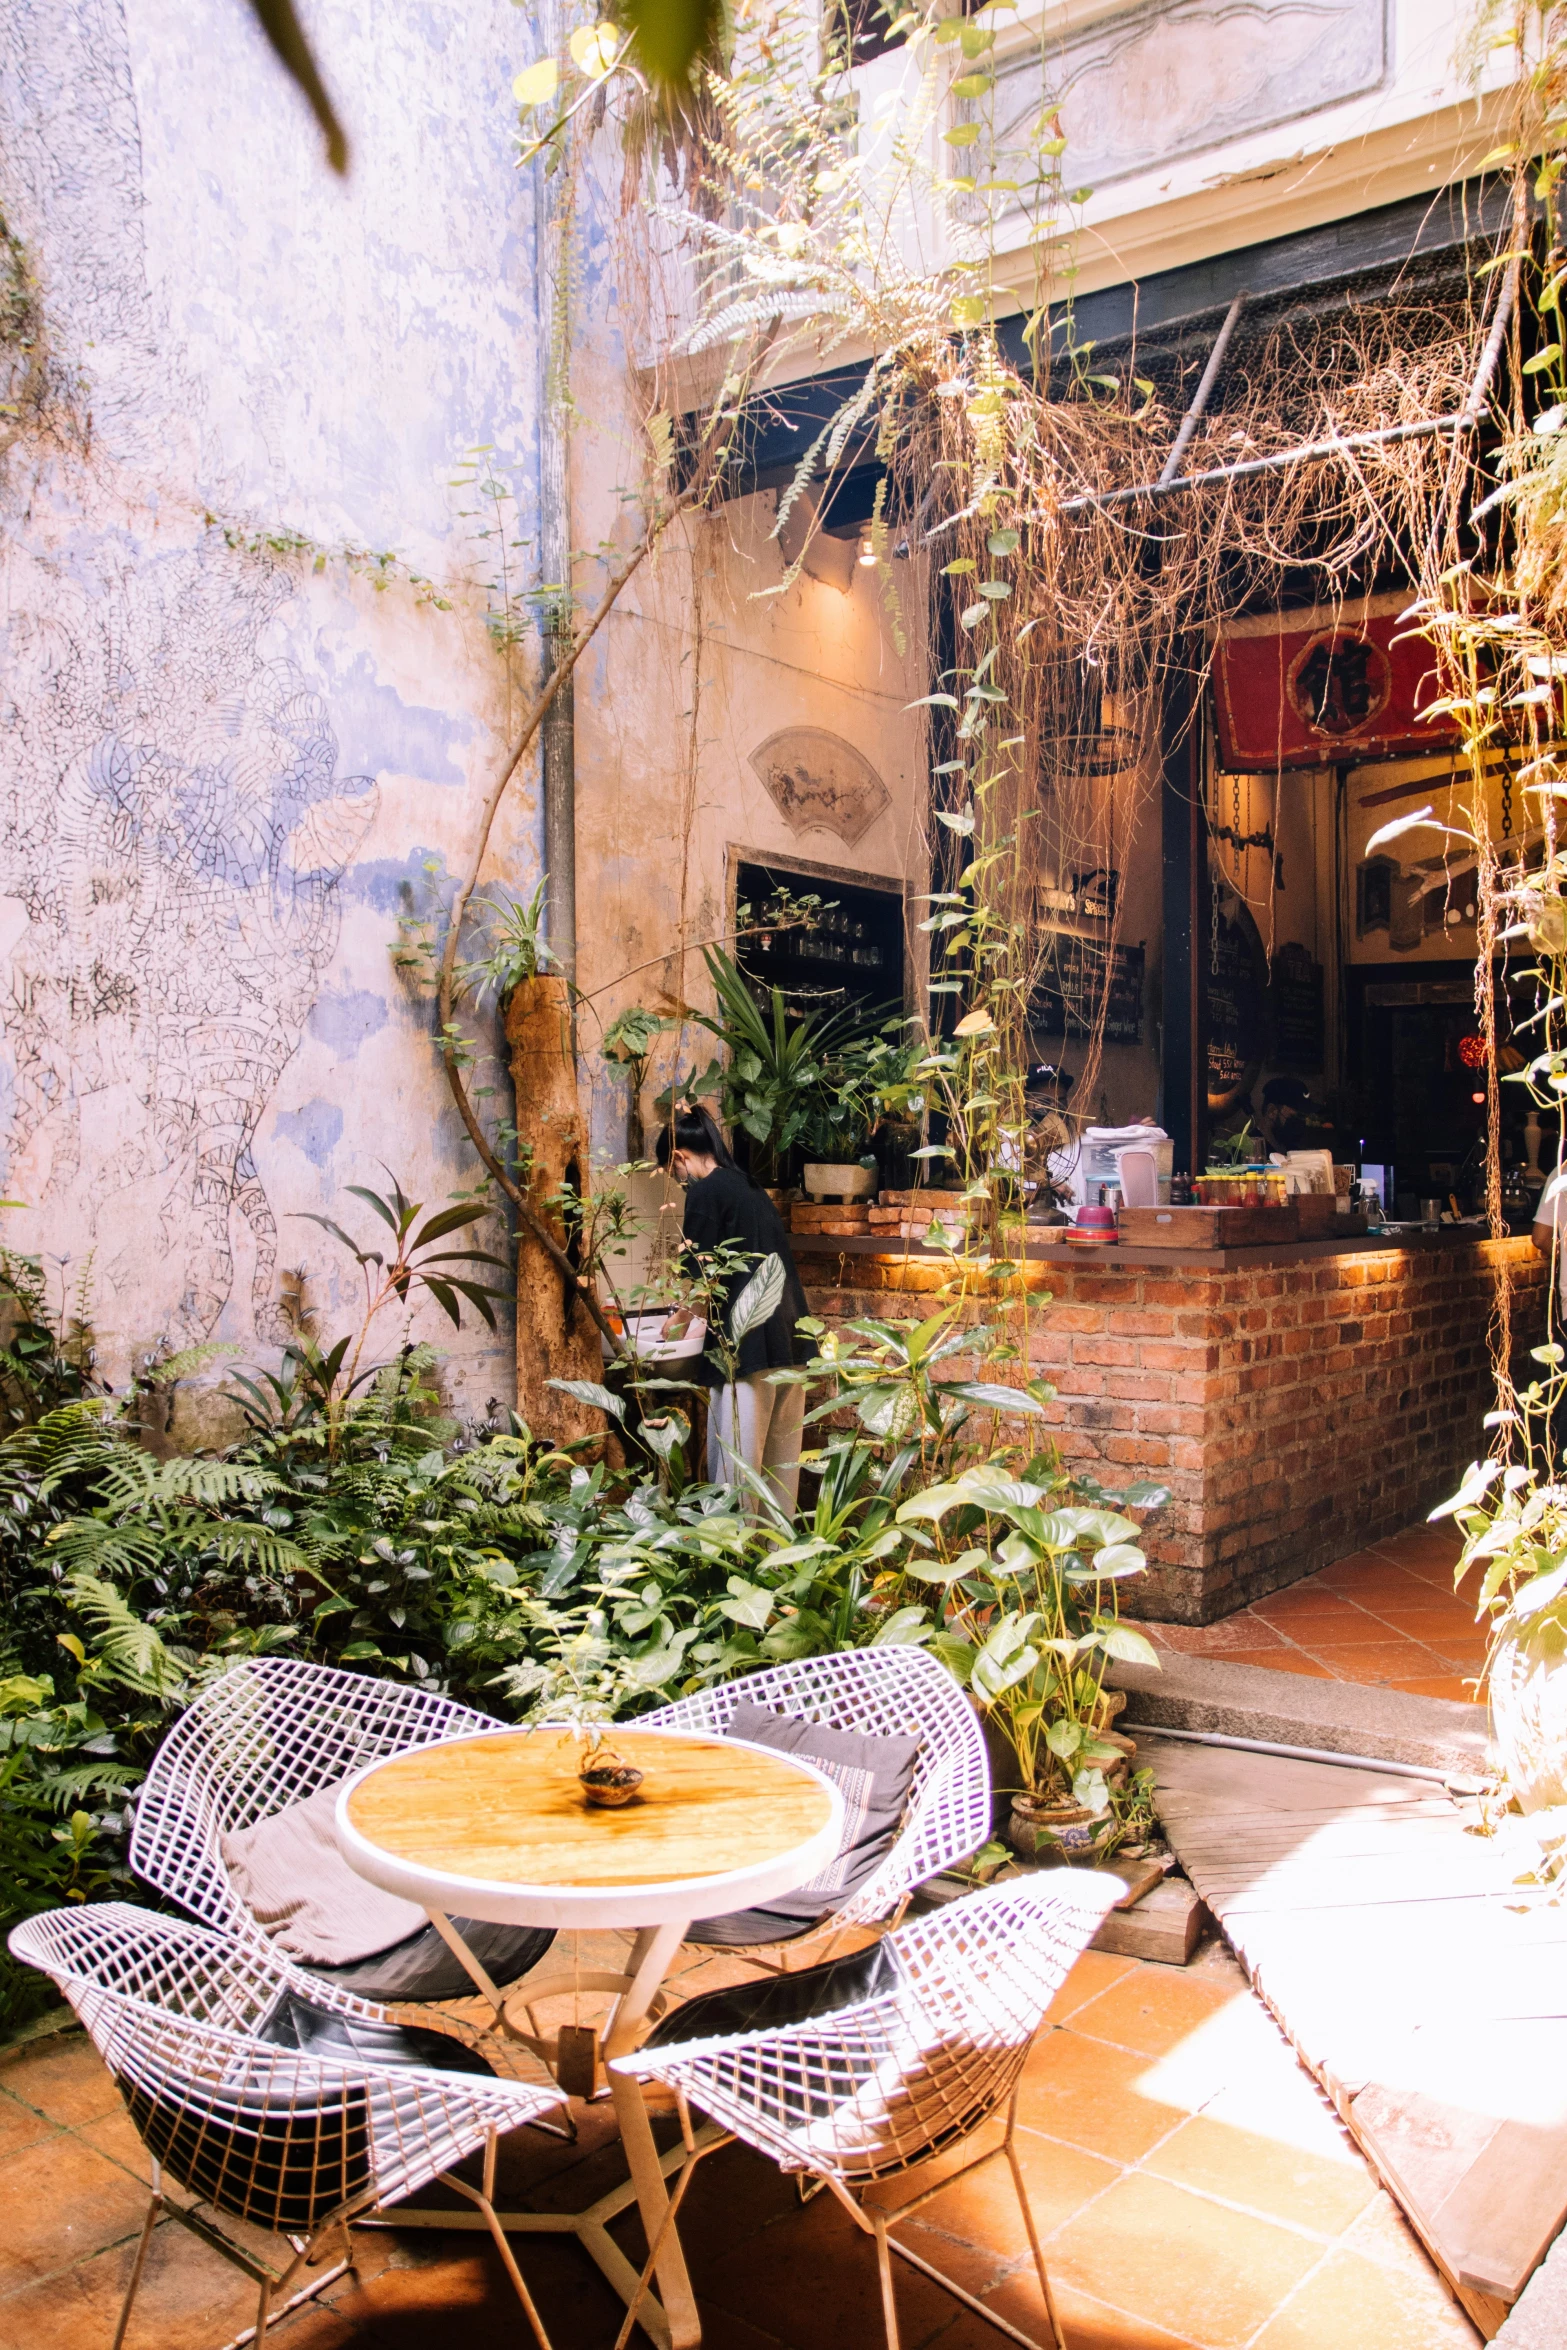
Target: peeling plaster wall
x,y
225,771
690,677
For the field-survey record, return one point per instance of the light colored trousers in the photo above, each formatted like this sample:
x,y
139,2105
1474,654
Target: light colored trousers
x,y
764,1426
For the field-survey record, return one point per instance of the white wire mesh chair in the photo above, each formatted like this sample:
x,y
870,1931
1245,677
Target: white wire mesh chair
x,y
266,1735
884,1692
932,2048
297,2144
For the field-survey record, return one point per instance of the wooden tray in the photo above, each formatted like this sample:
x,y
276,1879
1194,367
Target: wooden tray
x,y
1208,1227
1320,1218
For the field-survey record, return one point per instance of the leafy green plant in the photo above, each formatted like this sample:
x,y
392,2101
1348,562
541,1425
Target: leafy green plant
x,y
888,1375
46,1358
415,1262
1028,1615
60,1790
782,1068
515,945
628,1042
1233,1150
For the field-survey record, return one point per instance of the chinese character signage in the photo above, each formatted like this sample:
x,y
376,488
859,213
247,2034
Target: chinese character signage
x,y
1338,683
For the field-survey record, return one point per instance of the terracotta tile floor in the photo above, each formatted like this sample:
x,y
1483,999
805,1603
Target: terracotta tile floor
x,y
1387,1617
1191,2185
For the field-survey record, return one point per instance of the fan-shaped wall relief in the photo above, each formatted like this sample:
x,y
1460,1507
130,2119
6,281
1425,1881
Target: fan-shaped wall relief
x,y
820,783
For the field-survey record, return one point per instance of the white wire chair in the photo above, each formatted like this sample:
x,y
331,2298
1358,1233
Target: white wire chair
x,y
883,1692
296,2143
264,1736
870,2090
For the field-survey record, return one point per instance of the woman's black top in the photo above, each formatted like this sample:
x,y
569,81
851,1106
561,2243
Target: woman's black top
x,y
727,1206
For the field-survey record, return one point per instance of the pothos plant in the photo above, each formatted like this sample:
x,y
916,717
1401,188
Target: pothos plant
x,y
1027,1613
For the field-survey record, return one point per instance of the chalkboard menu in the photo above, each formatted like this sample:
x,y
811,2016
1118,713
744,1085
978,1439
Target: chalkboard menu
x,y
1235,975
1298,1034
1067,997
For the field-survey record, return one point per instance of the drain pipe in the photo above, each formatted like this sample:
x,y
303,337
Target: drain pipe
x,y
558,755
1460,1780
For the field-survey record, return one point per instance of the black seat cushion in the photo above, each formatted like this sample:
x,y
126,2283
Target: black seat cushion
x,y
256,2152
423,1967
320,2031
773,2002
874,1775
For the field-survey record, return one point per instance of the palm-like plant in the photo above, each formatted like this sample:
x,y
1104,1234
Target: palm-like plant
x,y
414,1263
782,1075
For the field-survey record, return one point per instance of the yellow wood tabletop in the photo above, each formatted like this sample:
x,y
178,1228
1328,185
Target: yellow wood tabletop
x,y
509,1809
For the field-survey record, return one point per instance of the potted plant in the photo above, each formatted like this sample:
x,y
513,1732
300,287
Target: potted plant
x,y
779,1063
894,1071
1029,1620
836,1133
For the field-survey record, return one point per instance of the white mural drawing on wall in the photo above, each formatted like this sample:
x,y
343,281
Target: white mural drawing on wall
x,y
174,832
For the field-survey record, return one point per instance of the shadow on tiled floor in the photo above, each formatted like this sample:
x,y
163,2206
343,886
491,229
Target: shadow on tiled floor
x,y
1387,1617
1191,2185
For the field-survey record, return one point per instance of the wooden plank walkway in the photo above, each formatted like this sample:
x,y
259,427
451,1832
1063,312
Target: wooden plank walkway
x,y
1386,1938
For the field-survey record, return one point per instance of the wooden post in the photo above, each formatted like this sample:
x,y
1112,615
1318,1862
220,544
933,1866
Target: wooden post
x,y
556,1338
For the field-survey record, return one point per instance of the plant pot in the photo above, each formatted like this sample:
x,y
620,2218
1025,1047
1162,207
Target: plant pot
x,y
1527,1684
609,1782
838,1179
1045,1830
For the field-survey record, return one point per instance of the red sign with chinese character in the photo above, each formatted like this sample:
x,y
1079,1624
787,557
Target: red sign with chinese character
x,y
1335,683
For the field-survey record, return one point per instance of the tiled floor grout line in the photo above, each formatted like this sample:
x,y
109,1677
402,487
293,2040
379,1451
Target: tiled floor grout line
x,y
1279,2307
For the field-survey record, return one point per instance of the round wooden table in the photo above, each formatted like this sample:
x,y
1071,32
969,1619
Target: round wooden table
x,y
497,1826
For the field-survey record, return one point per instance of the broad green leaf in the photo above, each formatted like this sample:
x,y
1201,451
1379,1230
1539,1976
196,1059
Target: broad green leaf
x,y
537,84
1132,1648
906,1627
994,1396
1119,1558
759,1300
589,1391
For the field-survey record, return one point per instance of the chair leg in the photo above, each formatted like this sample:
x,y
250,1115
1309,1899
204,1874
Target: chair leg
x,y
1016,2169
263,2311
889,2306
139,2263
515,2273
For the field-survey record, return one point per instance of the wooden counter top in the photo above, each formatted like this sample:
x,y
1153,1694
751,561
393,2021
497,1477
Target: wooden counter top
x,y
816,1245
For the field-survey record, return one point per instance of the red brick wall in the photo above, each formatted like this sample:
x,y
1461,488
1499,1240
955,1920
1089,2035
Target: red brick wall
x,y
1294,1411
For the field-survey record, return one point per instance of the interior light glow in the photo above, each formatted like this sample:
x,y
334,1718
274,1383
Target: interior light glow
x,y
867,551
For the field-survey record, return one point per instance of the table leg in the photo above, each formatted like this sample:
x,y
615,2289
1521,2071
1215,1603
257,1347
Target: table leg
x,y
465,1958
651,1953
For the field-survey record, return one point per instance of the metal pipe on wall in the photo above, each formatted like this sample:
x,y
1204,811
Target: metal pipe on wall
x,y
558,758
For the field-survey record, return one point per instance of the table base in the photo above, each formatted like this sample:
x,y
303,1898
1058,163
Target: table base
x,y
673,2323
591,2228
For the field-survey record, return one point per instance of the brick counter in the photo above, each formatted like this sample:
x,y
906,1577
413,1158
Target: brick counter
x,y
1298,1404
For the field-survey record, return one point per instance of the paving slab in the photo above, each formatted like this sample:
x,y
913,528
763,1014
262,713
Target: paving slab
x,y
1390,1941
1288,1709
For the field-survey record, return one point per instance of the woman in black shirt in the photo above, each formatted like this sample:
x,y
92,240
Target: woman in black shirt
x,y
748,1418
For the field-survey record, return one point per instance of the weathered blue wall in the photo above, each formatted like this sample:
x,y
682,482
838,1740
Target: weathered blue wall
x,y
224,771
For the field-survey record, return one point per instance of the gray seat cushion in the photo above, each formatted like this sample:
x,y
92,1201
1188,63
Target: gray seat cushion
x,y
422,1967
873,1774
294,1881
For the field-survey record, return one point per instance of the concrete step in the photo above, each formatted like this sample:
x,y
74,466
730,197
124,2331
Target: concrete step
x,y
1291,1709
